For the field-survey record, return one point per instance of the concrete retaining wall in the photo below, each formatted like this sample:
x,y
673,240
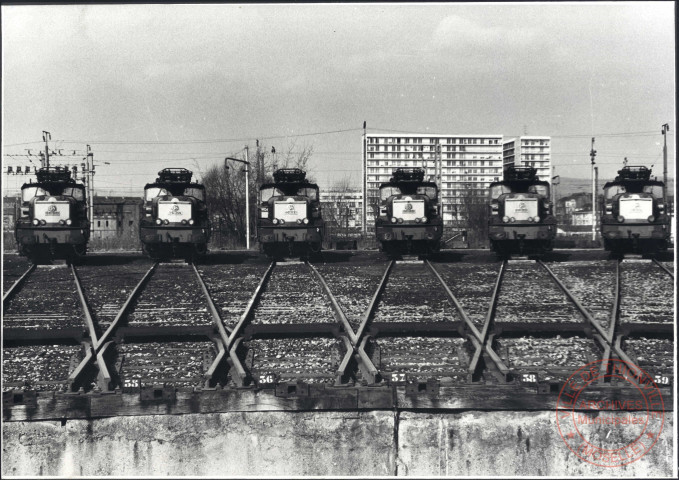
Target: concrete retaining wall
x,y
309,443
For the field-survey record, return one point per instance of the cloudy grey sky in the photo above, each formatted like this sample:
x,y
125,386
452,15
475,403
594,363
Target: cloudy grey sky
x,y
169,76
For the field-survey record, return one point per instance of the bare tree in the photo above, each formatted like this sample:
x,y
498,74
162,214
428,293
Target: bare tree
x,y
225,190
474,212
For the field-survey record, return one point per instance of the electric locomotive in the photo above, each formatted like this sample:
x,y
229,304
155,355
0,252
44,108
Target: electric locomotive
x,y
174,221
634,217
53,220
289,217
520,216
409,219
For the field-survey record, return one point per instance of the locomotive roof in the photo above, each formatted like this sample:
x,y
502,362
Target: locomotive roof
x,y
304,183
397,183
634,175
53,176
174,184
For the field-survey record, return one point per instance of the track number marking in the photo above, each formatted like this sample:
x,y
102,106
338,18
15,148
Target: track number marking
x,y
131,383
661,380
529,378
398,377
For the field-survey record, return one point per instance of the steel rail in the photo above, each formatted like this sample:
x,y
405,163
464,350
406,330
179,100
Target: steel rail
x,y
73,377
667,270
490,317
613,319
475,331
602,334
104,377
368,313
365,364
336,309
218,359
216,317
123,310
85,306
16,286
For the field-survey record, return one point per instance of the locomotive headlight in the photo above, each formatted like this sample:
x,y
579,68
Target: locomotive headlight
x,y
505,219
158,221
275,221
621,219
61,222
609,208
305,221
651,219
282,221
400,220
661,208
36,221
417,220
530,219
184,222
166,221
393,220
191,222
512,219
43,222
424,219
299,220
69,221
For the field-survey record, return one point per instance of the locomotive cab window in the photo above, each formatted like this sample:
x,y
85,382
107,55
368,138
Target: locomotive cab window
x,y
30,192
614,190
497,190
429,191
386,192
197,193
266,193
77,193
310,192
153,192
655,190
542,190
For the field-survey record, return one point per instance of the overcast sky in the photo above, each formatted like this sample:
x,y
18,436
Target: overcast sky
x,y
173,75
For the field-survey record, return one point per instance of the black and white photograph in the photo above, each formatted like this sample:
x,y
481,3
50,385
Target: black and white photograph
x,y
358,240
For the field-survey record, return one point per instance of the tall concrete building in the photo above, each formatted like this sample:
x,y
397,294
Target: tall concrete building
x,y
461,165
529,151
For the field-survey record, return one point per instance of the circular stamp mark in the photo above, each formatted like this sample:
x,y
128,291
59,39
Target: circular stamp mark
x,y
610,427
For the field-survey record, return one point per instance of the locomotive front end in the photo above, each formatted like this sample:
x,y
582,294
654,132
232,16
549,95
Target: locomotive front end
x,y
409,220
53,219
634,217
289,215
520,218
175,220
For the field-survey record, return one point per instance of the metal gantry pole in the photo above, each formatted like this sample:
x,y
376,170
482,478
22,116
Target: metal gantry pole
x,y
665,129
46,136
592,154
247,198
365,185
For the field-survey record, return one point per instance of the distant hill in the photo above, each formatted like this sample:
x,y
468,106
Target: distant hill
x,y
570,185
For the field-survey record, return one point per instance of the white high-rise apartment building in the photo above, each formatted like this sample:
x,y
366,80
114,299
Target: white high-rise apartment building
x,y
529,151
461,165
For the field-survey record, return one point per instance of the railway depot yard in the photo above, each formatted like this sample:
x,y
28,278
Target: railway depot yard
x,y
434,340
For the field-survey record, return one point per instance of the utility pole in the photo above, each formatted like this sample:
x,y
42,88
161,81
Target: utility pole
x,y
365,185
592,154
665,129
90,184
46,136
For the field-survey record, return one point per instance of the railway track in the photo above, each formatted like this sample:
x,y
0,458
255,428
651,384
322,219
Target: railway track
x,y
178,326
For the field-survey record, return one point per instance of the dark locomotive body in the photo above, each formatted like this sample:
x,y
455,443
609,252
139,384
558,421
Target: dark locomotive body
x,y
633,216
409,219
53,220
520,216
174,221
289,217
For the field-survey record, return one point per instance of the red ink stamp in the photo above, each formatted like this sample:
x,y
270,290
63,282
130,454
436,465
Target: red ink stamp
x,y
610,427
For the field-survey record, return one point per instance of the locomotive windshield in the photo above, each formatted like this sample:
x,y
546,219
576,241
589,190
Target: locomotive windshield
x,y
386,192
77,192
497,190
197,193
28,193
542,190
429,191
153,192
655,190
310,192
614,190
268,192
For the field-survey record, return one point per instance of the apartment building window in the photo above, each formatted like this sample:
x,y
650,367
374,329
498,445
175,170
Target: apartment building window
x,y
372,155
